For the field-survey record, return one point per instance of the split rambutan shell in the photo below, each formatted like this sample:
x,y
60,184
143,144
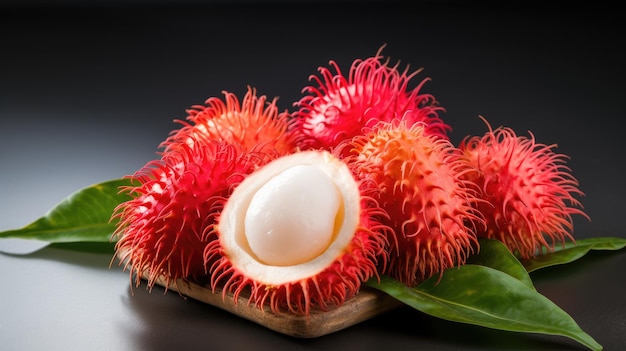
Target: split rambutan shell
x,y
430,208
163,229
340,107
254,122
351,255
529,192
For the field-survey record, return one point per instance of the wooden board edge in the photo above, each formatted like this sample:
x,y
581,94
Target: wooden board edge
x,y
365,305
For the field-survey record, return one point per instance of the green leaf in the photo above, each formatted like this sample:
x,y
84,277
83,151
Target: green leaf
x,y
571,251
487,297
82,217
494,254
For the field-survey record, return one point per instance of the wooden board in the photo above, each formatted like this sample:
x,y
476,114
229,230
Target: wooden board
x,y
366,304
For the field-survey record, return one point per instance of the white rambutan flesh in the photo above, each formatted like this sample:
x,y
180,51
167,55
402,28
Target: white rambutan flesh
x,y
250,250
301,197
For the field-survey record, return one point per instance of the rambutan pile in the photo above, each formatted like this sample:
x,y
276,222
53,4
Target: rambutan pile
x,y
296,210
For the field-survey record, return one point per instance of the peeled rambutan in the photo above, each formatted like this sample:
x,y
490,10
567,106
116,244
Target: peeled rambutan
x,y
255,123
164,228
296,235
339,107
430,207
528,189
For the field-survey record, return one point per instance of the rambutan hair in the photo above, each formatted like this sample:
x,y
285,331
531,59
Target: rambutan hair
x,y
529,191
254,122
175,203
339,107
324,291
428,205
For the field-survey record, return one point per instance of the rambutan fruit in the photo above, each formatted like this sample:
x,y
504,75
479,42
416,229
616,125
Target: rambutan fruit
x,y
298,234
339,107
430,207
163,229
255,123
529,192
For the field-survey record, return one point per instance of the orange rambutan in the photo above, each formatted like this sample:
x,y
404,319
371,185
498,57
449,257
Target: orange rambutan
x,y
528,189
254,123
163,229
340,107
296,235
430,207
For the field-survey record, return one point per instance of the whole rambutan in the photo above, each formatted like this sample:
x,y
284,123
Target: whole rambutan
x,y
430,207
296,235
339,107
255,123
164,228
528,189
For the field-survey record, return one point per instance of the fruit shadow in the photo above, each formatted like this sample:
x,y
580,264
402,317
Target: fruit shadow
x,y
170,321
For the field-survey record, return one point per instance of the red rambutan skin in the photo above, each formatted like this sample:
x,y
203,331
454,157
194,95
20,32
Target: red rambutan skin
x,y
164,228
326,290
254,122
528,189
340,107
430,208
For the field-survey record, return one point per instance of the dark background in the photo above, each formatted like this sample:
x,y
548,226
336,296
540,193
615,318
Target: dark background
x,y
89,89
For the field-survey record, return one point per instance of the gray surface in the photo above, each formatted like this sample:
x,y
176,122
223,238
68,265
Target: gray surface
x,y
86,96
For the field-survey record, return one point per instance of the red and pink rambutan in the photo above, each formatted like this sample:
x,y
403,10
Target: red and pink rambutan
x,y
529,192
175,203
430,208
340,107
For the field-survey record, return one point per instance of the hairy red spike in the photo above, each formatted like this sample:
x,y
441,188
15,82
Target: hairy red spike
x,y
254,123
340,107
529,192
164,228
430,208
